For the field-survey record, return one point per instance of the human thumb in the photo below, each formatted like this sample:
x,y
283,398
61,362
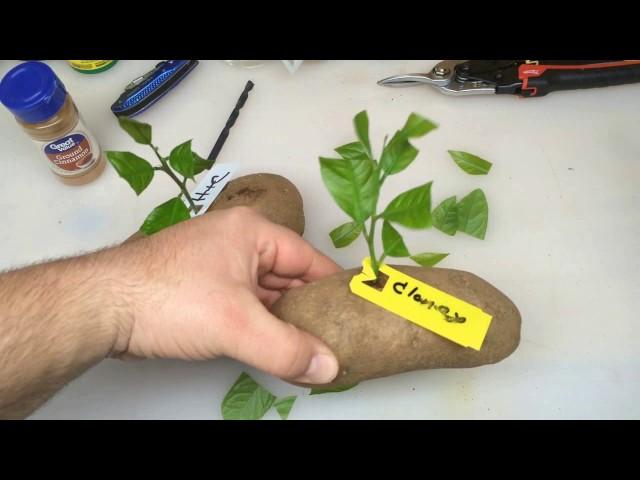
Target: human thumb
x,y
269,344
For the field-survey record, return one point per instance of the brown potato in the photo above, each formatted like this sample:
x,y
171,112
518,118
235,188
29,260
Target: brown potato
x,y
271,195
371,342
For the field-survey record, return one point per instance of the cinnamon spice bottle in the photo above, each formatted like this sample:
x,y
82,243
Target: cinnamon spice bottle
x,y
46,112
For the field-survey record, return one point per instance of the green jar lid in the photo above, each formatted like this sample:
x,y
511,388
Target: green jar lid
x,y
91,66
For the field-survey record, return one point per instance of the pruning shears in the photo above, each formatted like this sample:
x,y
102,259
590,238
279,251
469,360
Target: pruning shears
x,y
526,78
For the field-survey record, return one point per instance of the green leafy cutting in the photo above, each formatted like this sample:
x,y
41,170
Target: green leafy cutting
x,y
169,213
470,163
397,154
417,126
140,132
283,406
139,173
473,214
182,161
201,164
428,259
345,234
445,216
351,150
354,181
247,400
412,208
392,242
361,124
135,170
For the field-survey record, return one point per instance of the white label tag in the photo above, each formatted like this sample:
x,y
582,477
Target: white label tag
x,y
210,186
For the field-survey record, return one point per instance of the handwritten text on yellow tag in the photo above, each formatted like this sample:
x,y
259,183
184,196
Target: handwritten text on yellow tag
x,y
424,305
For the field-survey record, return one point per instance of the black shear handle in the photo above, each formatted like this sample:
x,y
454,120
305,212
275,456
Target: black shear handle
x,y
580,77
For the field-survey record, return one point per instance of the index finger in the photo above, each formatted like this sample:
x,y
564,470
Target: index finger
x,y
286,254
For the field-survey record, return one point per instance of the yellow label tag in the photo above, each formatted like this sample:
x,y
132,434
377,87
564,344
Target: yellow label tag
x,y
424,305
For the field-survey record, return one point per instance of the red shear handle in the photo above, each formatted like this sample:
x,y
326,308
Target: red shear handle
x,y
538,80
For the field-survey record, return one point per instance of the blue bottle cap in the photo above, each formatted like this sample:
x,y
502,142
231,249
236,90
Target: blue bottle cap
x,y
32,92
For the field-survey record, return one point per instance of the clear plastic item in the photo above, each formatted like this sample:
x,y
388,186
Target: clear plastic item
x,y
245,63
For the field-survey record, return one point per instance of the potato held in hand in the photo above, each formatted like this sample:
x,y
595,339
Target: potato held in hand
x,y
371,342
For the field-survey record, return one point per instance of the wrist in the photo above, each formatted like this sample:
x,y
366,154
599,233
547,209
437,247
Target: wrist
x,y
135,283
114,309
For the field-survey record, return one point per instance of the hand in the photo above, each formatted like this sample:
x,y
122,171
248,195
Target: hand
x,y
202,289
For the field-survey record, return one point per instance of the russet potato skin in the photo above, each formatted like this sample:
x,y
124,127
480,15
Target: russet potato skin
x,y
371,342
271,195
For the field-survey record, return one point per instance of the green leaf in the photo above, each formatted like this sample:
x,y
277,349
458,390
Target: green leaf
x,y
411,208
169,213
345,234
246,400
473,214
201,164
320,391
417,126
428,259
353,184
182,160
398,154
140,132
392,242
471,164
354,150
361,124
445,216
135,170
283,406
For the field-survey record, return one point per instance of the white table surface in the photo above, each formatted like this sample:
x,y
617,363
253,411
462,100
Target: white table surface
x,y
563,240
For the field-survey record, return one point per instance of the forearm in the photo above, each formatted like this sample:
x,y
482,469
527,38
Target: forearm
x,y
56,321
197,290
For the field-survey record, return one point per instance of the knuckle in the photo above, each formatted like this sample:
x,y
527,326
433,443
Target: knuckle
x,y
241,214
239,219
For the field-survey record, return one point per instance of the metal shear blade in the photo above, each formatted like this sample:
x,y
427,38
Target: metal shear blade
x,y
445,77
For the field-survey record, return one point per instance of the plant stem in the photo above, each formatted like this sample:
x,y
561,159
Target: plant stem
x,y
383,178
372,253
375,264
384,174
372,232
183,185
382,257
